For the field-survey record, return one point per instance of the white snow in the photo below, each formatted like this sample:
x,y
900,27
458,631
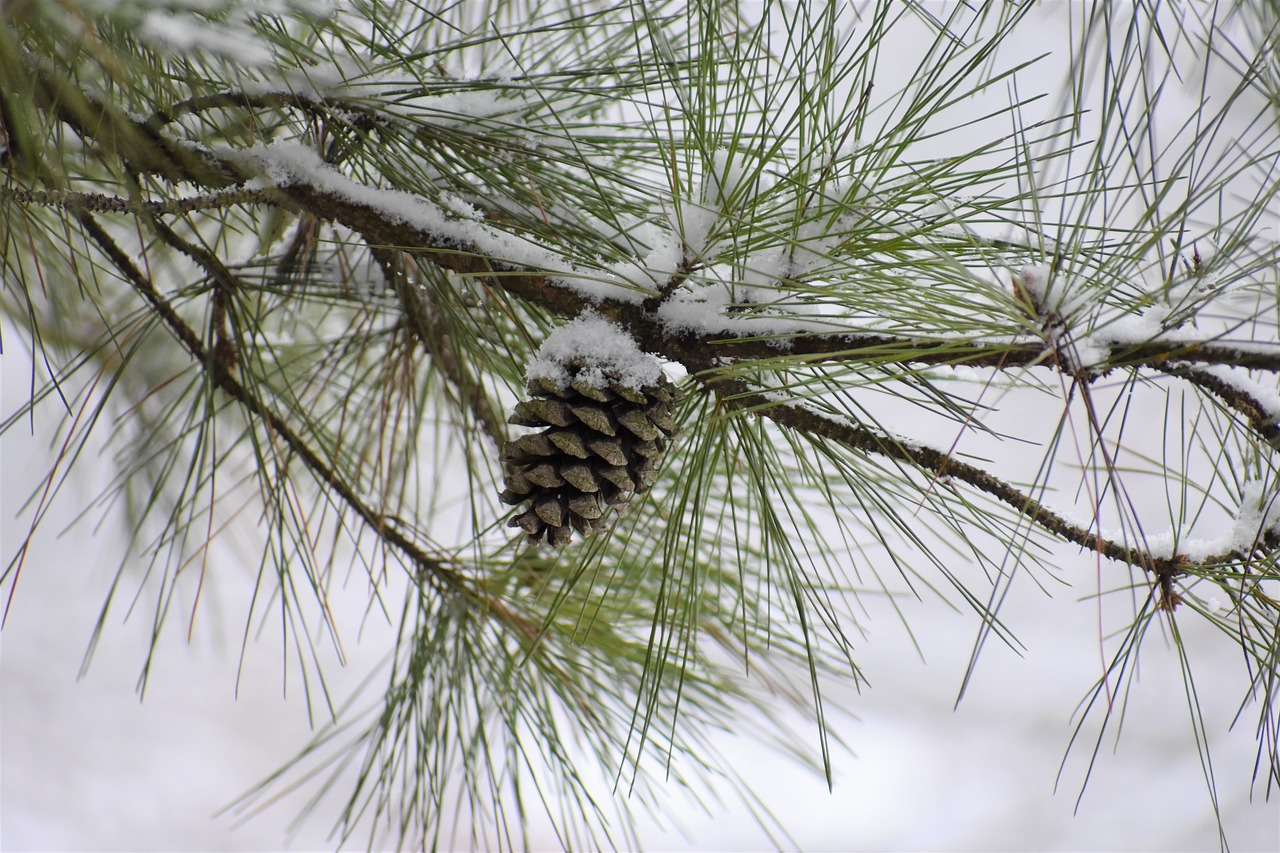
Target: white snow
x,y
1130,328
451,110
721,190
1085,353
1061,297
291,164
1034,281
318,82
184,33
604,351
1237,377
657,267
217,27
702,310
1258,515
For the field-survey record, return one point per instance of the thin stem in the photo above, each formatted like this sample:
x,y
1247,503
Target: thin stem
x,y
430,329
1237,399
105,203
434,569
740,395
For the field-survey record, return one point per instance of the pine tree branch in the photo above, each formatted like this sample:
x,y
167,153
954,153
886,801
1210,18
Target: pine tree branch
x,y
434,569
1233,397
564,189
700,353
430,330
940,464
467,258
383,226
1166,570
104,203
312,104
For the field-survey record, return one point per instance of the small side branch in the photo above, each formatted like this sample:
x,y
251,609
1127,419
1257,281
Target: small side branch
x,y
104,203
225,350
269,100
427,565
940,464
1233,397
429,328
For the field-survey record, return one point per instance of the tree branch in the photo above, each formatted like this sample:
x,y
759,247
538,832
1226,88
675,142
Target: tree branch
x,y
265,100
795,416
380,226
103,203
818,348
1233,397
701,351
435,569
430,330
940,464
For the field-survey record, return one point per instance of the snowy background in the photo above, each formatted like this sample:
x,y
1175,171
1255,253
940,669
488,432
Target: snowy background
x,y
86,765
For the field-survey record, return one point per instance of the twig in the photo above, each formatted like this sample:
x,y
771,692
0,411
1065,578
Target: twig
x,y
429,328
1235,398
429,567
104,203
225,353
269,100
940,464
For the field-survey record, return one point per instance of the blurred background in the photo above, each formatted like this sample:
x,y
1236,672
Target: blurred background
x,y
86,763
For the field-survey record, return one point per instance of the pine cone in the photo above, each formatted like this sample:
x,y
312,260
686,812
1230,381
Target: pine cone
x,y
601,445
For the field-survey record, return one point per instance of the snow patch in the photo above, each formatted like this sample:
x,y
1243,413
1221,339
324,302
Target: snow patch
x,y
707,310
1085,354
186,34
1134,329
720,192
1258,515
1237,377
1034,282
602,351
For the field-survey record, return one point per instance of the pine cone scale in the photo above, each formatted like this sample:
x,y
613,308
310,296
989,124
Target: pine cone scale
x,y
595,418
545,476
570,443
582,477
610,450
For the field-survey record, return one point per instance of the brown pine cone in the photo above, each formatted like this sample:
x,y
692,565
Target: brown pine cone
x,y
601,444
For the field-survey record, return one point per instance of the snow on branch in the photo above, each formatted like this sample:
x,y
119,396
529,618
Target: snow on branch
x,y
805,419
1256,525
455,235
289,165
689,327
